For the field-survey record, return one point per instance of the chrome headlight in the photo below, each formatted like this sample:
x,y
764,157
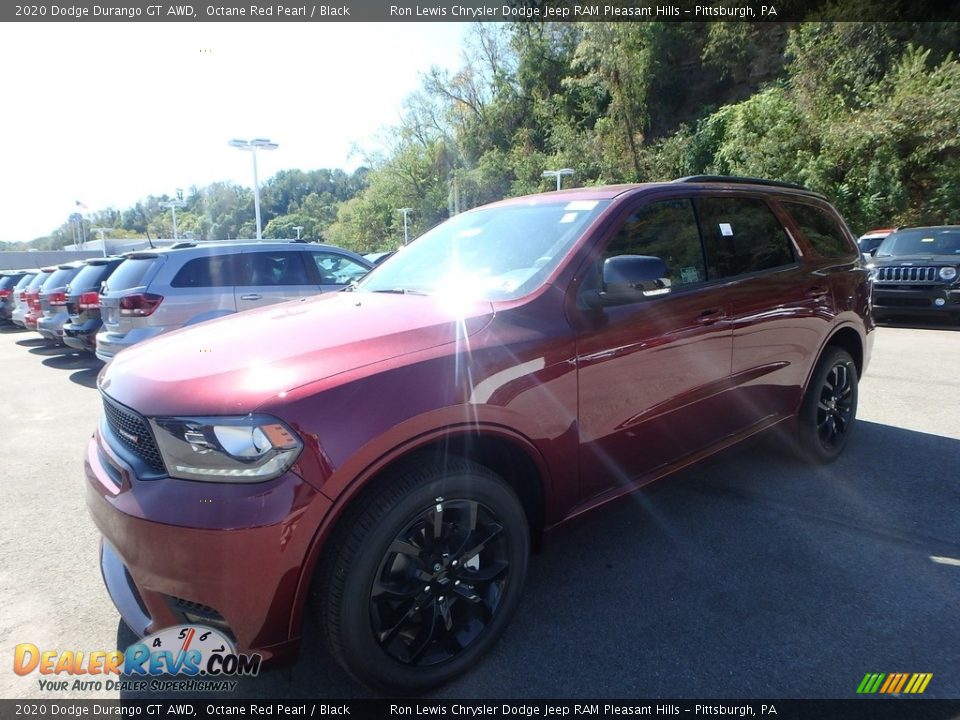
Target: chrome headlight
x,y
251,448
948,273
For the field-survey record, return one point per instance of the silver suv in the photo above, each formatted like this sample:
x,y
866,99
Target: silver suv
x,y
156,291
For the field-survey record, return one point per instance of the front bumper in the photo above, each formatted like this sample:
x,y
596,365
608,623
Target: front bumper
x,y
933,301
227,555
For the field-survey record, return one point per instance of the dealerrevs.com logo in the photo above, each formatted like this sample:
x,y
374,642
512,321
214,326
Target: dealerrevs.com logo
x,y
200,659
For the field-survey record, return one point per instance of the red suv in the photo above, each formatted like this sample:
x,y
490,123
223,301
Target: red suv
x,y
391,453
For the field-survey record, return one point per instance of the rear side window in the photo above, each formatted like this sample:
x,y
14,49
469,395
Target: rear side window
x,y
281,267
207,271
821,229
667,230
742,235
337,269
38,281
131,272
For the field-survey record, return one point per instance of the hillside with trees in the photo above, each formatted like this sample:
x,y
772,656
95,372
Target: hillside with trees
x,y
866,113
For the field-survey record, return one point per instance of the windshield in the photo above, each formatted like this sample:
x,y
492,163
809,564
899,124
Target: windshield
x,y
922,241
499,253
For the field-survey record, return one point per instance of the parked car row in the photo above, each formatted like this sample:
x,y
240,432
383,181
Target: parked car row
x,y
104,305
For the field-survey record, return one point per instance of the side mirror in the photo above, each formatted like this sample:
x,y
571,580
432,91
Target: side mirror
x,y
631,278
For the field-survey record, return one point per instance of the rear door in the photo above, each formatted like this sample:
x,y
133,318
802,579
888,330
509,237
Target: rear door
x,y
778,310
266,276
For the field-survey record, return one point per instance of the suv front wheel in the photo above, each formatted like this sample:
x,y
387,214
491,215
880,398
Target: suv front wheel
x,y
424,576
829,408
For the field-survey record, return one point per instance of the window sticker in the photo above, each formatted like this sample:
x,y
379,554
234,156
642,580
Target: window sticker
x,y
469,232
927,240
726,229
689,274
581,205
568,217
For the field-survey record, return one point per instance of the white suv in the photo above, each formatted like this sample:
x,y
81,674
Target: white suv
x,y
156,291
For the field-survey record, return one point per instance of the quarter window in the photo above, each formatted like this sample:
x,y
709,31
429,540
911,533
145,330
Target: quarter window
x,y
742,235
667,230
207,271
821,230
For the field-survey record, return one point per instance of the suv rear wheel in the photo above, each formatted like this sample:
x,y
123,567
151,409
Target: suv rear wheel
x,y
829,408
424,576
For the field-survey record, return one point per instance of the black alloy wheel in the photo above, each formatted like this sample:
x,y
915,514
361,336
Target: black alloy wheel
x,y
828,414
423,575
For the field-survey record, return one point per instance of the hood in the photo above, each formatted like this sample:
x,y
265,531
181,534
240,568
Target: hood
x,y
234,364
918,259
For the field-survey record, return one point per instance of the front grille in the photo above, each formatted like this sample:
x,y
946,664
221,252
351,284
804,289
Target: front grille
x,y
132,430
907,274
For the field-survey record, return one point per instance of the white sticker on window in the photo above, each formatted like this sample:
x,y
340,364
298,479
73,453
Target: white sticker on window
x,y
469,232
568,218
726,230
581,205
926,240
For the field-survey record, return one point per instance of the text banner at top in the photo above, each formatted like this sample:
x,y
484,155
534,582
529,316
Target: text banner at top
x,y
483,11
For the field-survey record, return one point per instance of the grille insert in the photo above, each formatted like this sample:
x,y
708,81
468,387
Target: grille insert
x,y
907,274
132,430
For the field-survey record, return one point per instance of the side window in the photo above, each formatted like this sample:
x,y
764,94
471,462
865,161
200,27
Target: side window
x,y
280,267
742,235
821,229
336,269
207,271
667,230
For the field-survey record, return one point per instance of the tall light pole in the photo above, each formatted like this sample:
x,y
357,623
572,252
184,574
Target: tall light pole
x,y
406,237
298,228
557,174
173,205
252,146
103,242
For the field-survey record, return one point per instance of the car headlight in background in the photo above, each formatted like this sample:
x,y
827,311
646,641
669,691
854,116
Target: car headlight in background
x,y
948,273
250,448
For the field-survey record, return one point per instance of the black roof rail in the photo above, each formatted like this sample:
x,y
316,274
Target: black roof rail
x,y
735,179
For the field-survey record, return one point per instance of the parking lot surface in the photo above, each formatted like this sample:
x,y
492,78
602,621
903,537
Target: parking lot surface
x,y
751,576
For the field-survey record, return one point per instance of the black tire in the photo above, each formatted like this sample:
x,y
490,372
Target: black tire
x,y
828,414
423,577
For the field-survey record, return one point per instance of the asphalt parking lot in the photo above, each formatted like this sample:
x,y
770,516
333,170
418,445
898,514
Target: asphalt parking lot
x,y
751,576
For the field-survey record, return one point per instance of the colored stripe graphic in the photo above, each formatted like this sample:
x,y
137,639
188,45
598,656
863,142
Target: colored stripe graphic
x,y
894,683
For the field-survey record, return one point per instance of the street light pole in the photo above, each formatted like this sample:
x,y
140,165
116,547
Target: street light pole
x,y
557,174
252,146
173,205
298,228
406,237
103,242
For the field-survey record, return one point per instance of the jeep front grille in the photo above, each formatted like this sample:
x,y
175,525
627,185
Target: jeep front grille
x,y
132,430
907,274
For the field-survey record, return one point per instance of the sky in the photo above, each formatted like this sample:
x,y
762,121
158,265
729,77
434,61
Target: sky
x,y
108,113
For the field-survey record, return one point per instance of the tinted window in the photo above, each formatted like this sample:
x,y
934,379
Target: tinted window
x,y
821,229
207,271
7,282
280,267
667,230
337,269
24,282
90,277
38,281
131,272
742,235
58,279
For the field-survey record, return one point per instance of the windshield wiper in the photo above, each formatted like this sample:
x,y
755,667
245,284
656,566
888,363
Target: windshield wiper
x,y
400,291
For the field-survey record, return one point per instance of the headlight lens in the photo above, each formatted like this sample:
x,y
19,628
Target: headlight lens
x,y
948,273
252,448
